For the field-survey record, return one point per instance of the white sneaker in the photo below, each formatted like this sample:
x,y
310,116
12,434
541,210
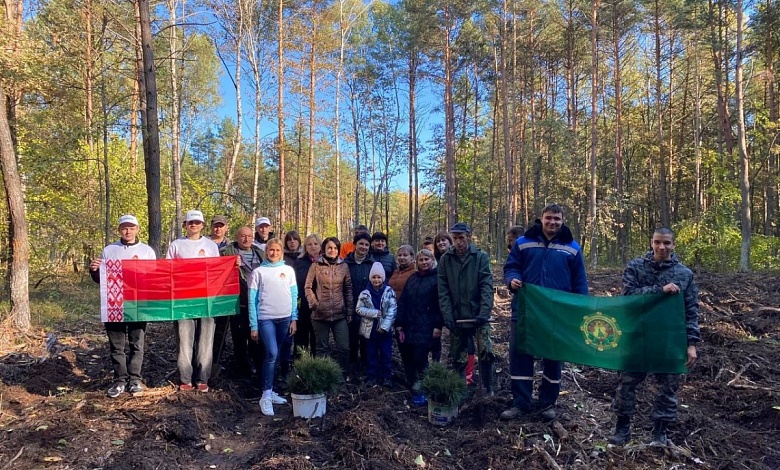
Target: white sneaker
x,y
267,406
278,400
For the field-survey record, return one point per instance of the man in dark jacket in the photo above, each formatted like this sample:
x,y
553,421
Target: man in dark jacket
x,y
466,301
246,353
658,271
547,256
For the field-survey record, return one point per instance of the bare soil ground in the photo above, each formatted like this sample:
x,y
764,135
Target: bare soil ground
x,y
54,414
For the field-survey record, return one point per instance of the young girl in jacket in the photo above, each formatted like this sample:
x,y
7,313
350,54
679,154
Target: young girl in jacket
x,y
376,306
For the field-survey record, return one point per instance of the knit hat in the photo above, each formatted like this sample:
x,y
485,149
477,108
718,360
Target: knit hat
x,y
377,268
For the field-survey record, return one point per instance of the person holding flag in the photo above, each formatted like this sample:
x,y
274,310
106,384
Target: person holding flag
x,y
548,256
127,368
658,271
194,245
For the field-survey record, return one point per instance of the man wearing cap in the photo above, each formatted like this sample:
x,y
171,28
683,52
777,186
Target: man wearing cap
x,y
245,351
219,227
194,245
127,368
466,301
263,232
548,256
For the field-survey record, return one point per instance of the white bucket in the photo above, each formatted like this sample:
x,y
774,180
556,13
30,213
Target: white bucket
x,y
308,406
441,415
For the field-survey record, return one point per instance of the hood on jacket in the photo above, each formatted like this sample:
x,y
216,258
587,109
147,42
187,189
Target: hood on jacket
x,y
648,256
564,234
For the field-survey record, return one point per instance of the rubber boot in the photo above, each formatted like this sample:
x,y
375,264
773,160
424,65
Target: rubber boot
x,y
470,369
659,432
622,432
488,378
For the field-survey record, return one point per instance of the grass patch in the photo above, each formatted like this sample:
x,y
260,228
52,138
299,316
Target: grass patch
x,y
60,300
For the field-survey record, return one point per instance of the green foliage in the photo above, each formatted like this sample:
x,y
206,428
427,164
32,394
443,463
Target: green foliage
x,y
444,386
57,300
312,375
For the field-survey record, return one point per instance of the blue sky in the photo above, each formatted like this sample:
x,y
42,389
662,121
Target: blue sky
x,y
427,117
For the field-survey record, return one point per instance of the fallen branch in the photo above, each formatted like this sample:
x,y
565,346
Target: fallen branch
x,y
739,374
18,454
753,387
551,461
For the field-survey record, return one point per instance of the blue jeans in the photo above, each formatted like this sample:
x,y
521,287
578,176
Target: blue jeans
x,y
274,335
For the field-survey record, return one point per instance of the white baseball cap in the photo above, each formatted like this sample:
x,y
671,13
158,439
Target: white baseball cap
x,y
128,219
194,215
263,221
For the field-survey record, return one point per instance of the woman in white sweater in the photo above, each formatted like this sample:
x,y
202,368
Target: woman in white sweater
x,y
273,314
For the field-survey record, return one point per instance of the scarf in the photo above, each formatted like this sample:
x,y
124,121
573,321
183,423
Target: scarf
x,y
376,295
330,260
268,264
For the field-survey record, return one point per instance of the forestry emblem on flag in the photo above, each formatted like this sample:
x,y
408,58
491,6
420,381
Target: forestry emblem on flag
x,y
600,331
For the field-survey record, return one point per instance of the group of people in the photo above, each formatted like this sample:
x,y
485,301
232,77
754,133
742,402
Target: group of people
x,y
305,292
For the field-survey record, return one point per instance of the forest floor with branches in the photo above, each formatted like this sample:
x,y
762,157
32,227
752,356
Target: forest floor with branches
x,y
54,413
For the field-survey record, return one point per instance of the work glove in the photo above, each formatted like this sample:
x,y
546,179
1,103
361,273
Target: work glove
x,y
480,321
450,325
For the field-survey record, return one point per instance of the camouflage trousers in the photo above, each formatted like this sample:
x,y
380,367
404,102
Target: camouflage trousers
x,y
665,403
459,344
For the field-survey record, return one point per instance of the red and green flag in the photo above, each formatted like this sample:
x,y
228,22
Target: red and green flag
x,y
168,289
634,333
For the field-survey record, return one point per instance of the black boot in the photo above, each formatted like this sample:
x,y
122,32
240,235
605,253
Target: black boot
x,y
622,433
659,432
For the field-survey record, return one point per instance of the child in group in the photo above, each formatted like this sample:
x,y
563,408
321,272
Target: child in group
x,y
376,306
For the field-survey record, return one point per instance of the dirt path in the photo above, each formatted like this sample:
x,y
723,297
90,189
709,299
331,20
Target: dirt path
x,y
53,413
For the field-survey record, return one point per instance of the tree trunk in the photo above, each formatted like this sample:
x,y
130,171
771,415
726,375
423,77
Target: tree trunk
x,y
594,133
414,182
312,113
231,166
744,162
511,188
451,196
151,130
280,112
18,281
175,117
663,194
617,74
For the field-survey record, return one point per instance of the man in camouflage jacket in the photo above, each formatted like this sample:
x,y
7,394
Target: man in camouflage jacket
x,y
658,271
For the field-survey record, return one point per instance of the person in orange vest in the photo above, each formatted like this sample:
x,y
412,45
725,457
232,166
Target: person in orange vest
x,y
349,246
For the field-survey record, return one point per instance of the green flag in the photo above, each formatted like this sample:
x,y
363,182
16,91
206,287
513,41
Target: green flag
x,y
634,333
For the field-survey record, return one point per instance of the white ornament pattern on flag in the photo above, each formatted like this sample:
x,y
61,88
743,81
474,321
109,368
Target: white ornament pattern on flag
x,y
115,291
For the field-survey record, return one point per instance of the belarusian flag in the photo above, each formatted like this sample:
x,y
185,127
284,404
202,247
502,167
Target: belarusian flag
x,y
168,289
634,333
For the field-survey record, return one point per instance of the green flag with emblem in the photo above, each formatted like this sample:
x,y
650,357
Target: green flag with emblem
x,y
634,333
